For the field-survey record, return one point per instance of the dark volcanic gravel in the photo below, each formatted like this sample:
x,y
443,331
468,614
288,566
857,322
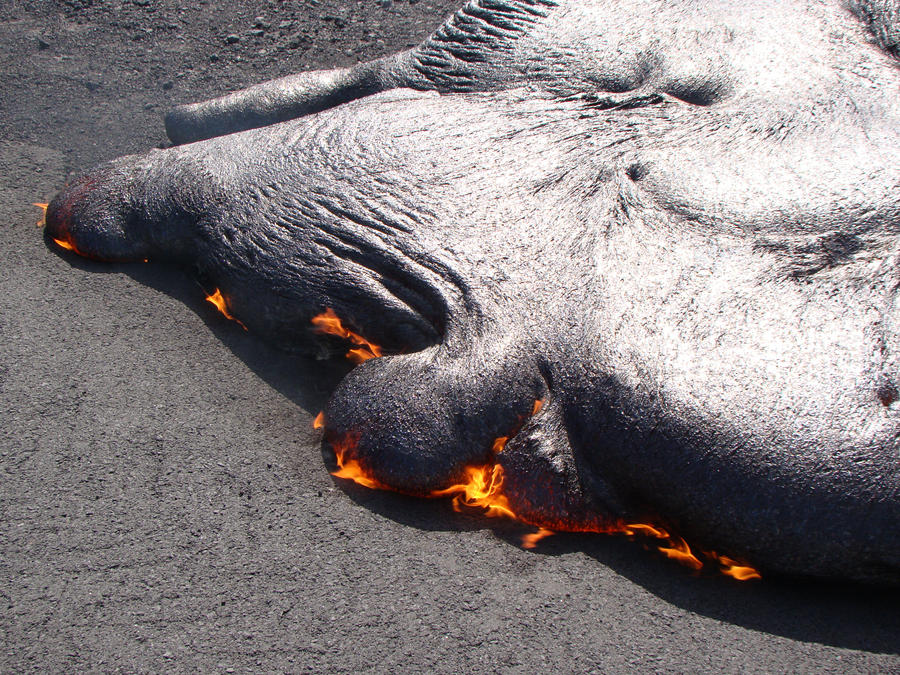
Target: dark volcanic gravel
x,y
164,503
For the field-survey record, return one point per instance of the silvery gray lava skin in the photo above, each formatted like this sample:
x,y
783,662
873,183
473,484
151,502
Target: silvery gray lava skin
x,y
674,221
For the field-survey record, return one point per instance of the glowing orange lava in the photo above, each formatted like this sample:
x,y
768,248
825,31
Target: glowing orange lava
x,y
482,488
218,300
328,323
530,541
350,468
43,207
672,546
733,568
65,244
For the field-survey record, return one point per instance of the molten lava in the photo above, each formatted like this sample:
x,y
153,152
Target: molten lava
x,y
328,323
733,568
481,486
530,541
218,300
43,207
483,489
65,244
350,468
62,243
673,547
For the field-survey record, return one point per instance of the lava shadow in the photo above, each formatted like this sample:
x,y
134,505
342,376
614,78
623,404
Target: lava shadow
x,y
841,615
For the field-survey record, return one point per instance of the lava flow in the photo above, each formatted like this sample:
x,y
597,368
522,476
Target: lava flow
x,y
43,207
482,489
481,486
218,301
62,243
328,323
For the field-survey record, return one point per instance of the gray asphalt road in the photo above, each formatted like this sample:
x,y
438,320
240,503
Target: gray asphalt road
x,y
164,503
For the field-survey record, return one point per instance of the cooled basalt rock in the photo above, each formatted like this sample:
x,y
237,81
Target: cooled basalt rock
x,y
674,222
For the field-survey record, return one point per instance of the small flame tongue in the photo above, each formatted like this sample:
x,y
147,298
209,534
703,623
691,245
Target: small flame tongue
x,y
733,568
218,300
43,207
328,323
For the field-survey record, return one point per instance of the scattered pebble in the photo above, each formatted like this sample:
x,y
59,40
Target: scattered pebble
x,y
232,39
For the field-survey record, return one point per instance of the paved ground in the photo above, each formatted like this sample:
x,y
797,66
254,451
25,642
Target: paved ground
x,y
164,504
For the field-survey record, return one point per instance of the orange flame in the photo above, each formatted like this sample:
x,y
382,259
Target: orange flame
x,y
530,541
328,323
350,468
319,422
66,245
735,569
482,488
218,300
43,207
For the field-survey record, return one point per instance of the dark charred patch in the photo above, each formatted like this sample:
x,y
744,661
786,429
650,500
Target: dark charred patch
x,y
887,393
697,93
612,102
636,171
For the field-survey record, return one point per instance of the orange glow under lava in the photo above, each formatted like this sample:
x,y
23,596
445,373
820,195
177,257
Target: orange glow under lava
x,y
66,245
43,207
218,301
328,323
482,485
350,468
482,489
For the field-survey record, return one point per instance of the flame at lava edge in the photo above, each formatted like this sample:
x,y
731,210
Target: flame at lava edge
x,y
484,487
328,323
62,243
483,490
43,207
218,301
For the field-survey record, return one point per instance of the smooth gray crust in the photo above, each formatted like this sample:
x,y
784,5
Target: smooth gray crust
x,y
676,222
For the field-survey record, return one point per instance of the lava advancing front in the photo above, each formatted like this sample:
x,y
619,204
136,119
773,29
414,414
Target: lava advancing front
x,y
674,223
